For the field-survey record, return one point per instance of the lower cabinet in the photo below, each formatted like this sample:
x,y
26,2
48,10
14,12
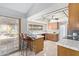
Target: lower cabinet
x,y
63,51
36,45
52,37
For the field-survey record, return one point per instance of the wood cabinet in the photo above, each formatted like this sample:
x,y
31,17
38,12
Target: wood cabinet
x,y
36,45
52,37
63,51
53,26
73,16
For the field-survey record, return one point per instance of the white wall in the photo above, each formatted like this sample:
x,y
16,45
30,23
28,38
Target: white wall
x,y
24,25
63,29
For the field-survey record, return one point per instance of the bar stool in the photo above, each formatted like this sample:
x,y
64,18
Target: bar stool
x,y
30,45
25,40
23,43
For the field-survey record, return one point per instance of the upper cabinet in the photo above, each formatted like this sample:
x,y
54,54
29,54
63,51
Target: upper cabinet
x,y
33,27
73,16
53,26
36,26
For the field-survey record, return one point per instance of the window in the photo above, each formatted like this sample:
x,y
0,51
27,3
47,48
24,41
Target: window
x,y
9,40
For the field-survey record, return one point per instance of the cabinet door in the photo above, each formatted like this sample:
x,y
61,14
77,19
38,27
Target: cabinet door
x,y
53,26
52,37
55,38
62,51
73,15
33,45
38,45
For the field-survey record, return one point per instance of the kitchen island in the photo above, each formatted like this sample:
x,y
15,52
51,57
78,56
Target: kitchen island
x,y
67,47
36,44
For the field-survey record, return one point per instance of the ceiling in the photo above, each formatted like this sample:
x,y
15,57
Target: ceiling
x,y
20,7
26,9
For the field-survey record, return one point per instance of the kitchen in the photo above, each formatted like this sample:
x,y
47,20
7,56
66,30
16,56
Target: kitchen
x,y
58,30
52,26
53,31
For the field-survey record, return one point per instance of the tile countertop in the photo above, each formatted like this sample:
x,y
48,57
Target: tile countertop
x,y
53,31
37,37
49,32
71,44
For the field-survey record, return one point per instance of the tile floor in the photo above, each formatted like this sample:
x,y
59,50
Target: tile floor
x,y
50,49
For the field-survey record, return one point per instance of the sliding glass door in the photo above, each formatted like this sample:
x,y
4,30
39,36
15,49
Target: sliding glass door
x,y
9,35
